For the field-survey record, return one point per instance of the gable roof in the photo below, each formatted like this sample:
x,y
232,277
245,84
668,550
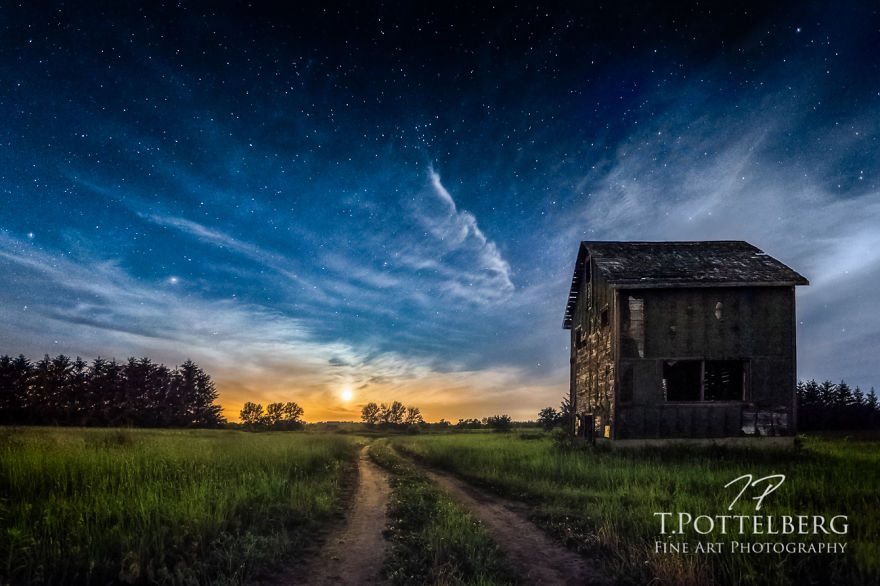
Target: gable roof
x,y
715,263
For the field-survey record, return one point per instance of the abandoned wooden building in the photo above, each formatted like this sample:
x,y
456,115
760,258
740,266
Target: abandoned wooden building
x,y
681,340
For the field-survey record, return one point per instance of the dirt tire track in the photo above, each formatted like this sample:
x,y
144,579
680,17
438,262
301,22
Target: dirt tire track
x,y
531,553
354,554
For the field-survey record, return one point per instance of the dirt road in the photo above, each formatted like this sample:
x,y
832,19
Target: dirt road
x,y
533,555
354,554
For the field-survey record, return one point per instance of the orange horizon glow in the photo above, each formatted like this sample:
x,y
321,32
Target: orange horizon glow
x,y
450,396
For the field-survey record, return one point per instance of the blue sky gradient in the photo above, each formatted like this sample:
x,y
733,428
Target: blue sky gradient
x,y
389,200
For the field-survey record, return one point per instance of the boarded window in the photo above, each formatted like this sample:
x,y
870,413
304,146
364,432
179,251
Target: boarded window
x,y
682,380
724,380
633,338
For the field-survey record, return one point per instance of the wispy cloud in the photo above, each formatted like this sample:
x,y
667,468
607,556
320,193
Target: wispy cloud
x,y
253,352
468,264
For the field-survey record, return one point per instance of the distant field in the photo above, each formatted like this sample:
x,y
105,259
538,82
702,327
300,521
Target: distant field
x,y
605,501
173,507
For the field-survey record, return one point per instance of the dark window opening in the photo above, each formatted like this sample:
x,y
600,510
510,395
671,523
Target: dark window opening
x,y
698,380
603,318
682,380
724,380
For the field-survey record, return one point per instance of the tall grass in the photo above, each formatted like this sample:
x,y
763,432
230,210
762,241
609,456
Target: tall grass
x,y
94,506
606,501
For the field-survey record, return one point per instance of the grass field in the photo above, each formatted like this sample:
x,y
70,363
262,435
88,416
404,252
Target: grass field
x,y
605,501
96,506
169,507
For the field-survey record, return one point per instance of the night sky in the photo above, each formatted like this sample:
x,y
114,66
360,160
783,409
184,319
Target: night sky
x,y
389,199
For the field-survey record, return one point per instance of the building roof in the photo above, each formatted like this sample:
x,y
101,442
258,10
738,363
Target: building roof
x,y
655,265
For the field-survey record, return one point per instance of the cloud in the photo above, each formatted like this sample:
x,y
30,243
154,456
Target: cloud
x,y
468,265
94,307
285,266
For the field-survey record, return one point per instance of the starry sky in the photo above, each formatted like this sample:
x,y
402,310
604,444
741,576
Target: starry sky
x,y
388,199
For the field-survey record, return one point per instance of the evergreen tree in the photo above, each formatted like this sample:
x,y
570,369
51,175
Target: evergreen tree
x,y
860,416
15,388
873,407
206,413
74,400
61,391
566,414
104,386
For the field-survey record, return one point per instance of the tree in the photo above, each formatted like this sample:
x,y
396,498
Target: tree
x,y
251,414
274,414
292,414
394,414
414,416
204,411
566,414
397,412
548,418
140,392
371,413
15,381
499,422
103,381
827,394
871,404
468,424
871,400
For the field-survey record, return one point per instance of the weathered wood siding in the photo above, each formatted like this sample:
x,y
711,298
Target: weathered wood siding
x,y
593,364
754,325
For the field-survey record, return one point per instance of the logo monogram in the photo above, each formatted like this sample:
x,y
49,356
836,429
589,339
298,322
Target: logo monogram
x,y
750,483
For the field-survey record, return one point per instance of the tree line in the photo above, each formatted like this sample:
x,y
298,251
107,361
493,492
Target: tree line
x,y
501,422
836,406
138,392
394,414
276,417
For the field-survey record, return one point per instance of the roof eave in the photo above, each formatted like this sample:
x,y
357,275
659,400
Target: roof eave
x,y
703,284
